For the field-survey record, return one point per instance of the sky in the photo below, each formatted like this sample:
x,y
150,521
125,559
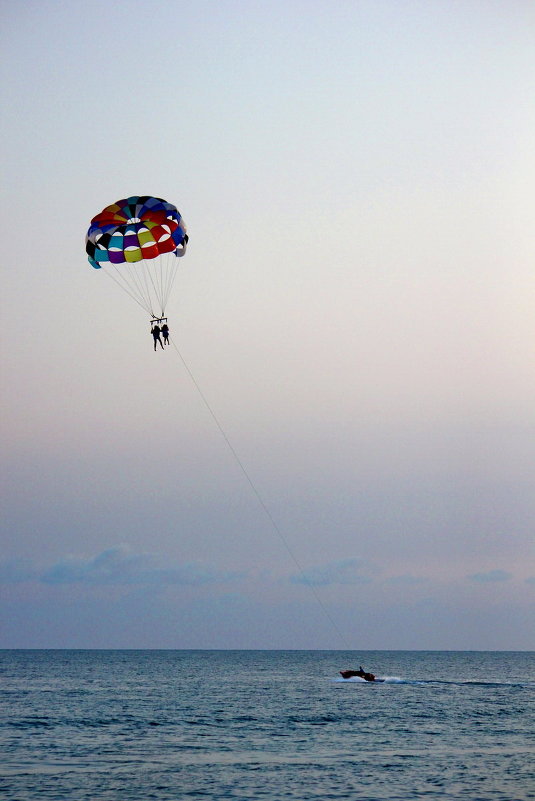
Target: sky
x,y
339,450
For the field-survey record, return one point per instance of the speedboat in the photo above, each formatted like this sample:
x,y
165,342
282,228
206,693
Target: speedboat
x,y
362,674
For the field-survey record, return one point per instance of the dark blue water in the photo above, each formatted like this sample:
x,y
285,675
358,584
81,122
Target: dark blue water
x,y
139,725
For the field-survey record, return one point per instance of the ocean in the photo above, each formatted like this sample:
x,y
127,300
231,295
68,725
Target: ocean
x,y
90,725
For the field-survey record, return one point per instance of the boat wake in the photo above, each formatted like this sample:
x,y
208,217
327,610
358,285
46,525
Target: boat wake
x,y
424,682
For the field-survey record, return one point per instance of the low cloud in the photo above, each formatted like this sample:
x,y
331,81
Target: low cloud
x,y
347,571
405,580
118,566
490,576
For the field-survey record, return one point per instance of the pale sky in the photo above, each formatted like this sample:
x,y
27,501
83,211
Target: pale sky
x,y
357,305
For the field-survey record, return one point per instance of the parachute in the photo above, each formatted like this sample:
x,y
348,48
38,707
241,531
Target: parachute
x,y
137,241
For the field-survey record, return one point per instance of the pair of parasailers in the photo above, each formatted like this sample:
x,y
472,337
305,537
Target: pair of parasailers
x,y
156,331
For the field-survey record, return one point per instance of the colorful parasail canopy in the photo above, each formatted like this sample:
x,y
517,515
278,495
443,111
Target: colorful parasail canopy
x,y
136,241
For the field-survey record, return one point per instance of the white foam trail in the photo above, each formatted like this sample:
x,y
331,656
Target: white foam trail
x,y
380,680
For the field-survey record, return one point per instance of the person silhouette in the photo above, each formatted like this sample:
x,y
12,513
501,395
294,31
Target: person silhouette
x,y
155,331
165,332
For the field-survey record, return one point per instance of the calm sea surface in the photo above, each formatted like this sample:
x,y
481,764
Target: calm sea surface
x,y
139,725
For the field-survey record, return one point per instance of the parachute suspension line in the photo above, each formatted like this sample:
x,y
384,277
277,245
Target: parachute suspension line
x,y
158,281
142,277
172,263
145,274
149,289
261,501
165,280
134,273
164,261
126,289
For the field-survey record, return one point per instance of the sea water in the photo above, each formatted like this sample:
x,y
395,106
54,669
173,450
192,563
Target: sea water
x,y
274,725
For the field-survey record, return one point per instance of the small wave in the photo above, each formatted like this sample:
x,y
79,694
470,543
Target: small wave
x,y
30,723
316,720
471,683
